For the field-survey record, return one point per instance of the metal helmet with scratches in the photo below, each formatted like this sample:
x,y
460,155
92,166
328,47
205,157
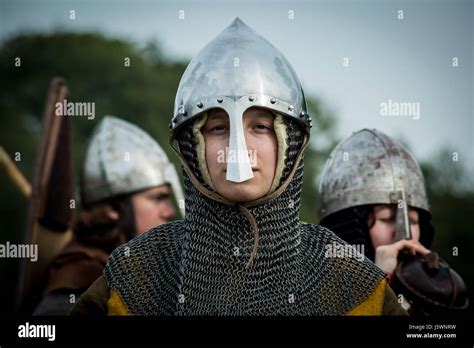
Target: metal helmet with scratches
x,y
122,158
370,167
237,70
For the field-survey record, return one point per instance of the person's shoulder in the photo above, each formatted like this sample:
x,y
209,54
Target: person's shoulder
x,y
320,242
131,259
318,233
382,301
94,300
336,250
76,251
75,268
315,227
354,277
144,265
160,237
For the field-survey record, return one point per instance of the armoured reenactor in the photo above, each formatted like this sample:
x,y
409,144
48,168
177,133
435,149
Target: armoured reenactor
x,y
127,187
240,127
373,196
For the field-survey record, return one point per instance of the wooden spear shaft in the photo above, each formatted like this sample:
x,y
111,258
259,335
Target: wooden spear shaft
x,y
14,173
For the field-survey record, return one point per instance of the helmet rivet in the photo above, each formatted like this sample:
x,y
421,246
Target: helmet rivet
x,y
251,98
220,100
174,120
302,114
200,105
273,101
181,110
170,126
290,108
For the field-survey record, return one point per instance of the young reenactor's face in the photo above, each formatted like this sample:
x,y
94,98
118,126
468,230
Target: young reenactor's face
x,y
382,222
153,207
262,149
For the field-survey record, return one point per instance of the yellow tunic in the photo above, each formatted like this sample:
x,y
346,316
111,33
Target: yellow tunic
x,y
382,301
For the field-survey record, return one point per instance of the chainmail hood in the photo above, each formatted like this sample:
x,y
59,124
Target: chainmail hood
x,y
254,258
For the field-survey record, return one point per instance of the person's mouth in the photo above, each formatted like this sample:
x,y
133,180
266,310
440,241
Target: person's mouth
x,y
253,170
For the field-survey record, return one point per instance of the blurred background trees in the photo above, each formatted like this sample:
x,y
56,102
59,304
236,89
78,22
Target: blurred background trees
x,y
94,68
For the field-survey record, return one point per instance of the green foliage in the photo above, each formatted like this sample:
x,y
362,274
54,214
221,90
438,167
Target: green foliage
x,y
94,69
323,140
452,207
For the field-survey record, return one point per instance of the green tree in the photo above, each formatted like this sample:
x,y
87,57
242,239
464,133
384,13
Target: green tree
x,y
96,70
323,140
452,205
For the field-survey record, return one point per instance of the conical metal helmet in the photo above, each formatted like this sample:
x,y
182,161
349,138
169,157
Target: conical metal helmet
x,y
121,159
369,167
237,70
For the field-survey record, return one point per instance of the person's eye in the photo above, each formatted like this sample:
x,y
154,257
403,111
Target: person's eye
x,y
261,127
160,197
218,129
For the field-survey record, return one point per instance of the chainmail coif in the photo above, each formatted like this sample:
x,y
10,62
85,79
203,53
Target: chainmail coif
x,y
199,265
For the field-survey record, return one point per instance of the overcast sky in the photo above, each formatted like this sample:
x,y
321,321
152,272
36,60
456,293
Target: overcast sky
x,y
402,60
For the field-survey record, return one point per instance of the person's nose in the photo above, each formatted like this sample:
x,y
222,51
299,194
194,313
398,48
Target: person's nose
x,y
239,169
